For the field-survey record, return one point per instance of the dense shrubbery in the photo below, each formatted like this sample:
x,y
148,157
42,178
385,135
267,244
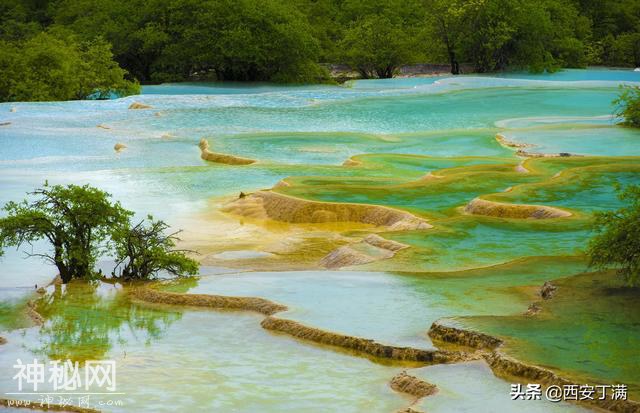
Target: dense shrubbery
x,y
283,40
57,66
628,105
617,241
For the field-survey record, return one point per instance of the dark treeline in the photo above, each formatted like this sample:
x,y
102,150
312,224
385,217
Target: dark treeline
x,y
73,43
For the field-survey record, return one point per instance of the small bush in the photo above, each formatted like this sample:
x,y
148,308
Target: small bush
x,y
628,105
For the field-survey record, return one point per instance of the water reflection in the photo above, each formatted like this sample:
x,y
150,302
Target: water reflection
x,y
84,320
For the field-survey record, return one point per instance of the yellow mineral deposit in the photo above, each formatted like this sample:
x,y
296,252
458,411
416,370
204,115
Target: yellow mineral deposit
x,y
138,105
279,207
497,209
411,385
207,155
370,249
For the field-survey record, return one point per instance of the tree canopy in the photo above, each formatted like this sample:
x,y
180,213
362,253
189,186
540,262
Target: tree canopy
x,y
80,223
74,49
146,249
75,220
55,65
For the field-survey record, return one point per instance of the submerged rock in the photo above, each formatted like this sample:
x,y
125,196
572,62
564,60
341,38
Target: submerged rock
x,y
429,176
387,244
284,208
346,256
362,345
119,147
351,162
547,290
508,366
256,304
207,155
370,249
3,340
462,337
533,309
282,184
497,209
405,383
505,142
504,366
526,154
138,105
33,314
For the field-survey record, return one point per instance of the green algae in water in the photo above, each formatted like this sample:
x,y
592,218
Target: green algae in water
x,y
334,148
589,329
435,196
585,189
475,241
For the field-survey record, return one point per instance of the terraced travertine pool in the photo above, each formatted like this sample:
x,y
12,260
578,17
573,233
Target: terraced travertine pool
x,y
327,157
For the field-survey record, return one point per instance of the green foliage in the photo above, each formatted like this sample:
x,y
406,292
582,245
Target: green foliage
x,y
75,220
377,47
626,50
208,40
240,40
615,27
378,37
83,324
506,34
283,40
56,66
80,223
144,250
617,242
628,105
445,27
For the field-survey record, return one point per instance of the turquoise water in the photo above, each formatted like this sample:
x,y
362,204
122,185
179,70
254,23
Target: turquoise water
x,y
234,366
400,130
386,307
472,387
580,140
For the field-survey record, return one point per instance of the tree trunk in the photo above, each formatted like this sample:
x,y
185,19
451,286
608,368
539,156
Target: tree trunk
x,y
65,274
364,72
455,67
